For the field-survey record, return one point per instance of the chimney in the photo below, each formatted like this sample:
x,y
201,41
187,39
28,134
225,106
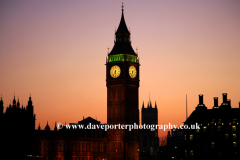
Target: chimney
x,y
200,99
229,102
224,98
215,101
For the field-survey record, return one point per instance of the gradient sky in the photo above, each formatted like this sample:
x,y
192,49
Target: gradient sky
x,y
56,51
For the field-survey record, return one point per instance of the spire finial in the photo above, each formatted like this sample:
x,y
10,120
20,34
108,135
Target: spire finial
x,y
122,7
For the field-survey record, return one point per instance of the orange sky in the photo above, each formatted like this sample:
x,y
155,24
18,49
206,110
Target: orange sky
x,y
57,50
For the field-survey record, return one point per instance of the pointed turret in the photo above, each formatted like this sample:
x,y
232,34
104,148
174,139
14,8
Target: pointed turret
x,y
30,106
30,101
143,105
55,128
1,105
122,28
14,101
47,127
39,128
122,44
18,104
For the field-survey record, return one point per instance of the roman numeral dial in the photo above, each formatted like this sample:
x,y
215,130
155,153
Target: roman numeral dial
x,y
132,72
115,71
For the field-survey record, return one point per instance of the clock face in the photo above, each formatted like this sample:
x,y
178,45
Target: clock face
x,y
132,72
115,71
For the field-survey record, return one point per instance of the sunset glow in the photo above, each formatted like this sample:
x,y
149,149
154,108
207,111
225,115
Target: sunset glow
x,y
56,51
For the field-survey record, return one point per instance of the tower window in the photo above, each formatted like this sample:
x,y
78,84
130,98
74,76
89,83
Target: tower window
x,y
191,137
191,153
234,136
234,144
226,135
234,128
186,153
219,129
205,129
212,144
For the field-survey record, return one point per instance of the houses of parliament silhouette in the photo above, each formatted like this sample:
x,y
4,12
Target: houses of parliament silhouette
x,y
122,80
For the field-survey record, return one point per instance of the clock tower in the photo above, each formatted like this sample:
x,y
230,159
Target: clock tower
x,y
122,80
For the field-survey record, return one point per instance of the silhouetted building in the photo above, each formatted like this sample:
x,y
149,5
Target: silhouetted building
x,y
218,136
72,143
148,139
18,125
175,143
169,139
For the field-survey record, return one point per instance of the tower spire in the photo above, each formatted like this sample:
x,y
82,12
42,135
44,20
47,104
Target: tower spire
x,y
122,28
122,40
18,104
14,101
55,128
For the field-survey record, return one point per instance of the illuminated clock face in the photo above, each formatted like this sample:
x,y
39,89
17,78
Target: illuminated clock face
x,y
132,72
115,71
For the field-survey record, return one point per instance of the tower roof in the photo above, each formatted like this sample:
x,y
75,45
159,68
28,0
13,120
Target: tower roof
x,y
122,28
89,120
47,127
122,40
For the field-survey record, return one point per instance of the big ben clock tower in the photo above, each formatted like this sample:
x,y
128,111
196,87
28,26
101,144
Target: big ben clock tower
x,y
122,73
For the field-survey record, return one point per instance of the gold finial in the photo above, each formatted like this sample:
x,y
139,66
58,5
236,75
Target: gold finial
x,y
122,7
